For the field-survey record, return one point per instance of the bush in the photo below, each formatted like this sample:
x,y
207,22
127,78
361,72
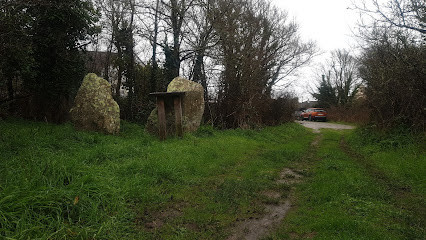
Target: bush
x,y
357,113
394,73
280,110
261,111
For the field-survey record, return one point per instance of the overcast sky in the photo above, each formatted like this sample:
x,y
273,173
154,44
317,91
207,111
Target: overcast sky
x,y
329,23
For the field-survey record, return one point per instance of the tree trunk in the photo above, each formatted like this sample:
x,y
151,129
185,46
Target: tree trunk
x,y
199,75
177,20
120,72
10,90
153,77
108,60
131,65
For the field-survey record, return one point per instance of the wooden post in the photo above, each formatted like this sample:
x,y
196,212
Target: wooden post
x,y
161,118
161,108
178,113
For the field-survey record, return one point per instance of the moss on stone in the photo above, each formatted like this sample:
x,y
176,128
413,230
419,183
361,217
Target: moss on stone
x,y
95,109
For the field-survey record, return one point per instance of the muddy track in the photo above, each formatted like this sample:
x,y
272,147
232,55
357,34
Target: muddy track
x,y
257,228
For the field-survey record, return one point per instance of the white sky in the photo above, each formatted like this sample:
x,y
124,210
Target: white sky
x,y
327,22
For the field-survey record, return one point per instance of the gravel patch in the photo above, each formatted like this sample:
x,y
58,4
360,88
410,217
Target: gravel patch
x,y
316,126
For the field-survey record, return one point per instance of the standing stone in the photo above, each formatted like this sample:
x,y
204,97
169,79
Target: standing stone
x,y
192,108
95,109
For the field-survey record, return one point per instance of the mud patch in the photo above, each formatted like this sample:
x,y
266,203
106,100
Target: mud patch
x,y
316,141
252,229
277,203
152,221
158,223
289,176
271,194
256,228
161,217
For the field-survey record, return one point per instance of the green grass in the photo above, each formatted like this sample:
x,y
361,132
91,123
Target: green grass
x,y
399,154
58,183
361,187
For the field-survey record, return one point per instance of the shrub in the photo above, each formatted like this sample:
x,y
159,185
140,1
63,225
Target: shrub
x,y
395,76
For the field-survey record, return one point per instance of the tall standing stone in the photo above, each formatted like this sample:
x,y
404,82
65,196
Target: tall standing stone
x,y
192,107
95,109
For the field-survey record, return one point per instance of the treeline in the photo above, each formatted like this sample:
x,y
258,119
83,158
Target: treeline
x,y
237,50
41,65
385,84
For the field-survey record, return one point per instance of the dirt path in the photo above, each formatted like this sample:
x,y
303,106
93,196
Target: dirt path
x,y
257,228
318,125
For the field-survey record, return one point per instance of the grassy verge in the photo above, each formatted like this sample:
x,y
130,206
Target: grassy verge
x,y
58,183
373,192
399,154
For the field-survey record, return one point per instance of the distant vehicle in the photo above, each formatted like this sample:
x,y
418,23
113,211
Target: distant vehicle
x,y
313,114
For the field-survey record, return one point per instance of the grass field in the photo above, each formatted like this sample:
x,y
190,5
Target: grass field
x,y
58,183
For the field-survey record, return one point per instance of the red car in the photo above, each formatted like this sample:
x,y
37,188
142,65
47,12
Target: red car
x,y
313,114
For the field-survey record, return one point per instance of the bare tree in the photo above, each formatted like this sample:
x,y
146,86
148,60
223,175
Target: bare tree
x,y
119,26
339,80
253,44
154,41
174,16
402,14
343,69
259,46
392,61
200,39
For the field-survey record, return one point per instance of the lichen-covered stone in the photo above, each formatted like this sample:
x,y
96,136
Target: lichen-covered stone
x,y
94,108
192,107
193,102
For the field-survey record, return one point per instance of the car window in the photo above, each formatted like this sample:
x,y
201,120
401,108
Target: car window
x,y
319,110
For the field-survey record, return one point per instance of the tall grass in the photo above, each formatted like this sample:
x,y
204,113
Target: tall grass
x,y
58,183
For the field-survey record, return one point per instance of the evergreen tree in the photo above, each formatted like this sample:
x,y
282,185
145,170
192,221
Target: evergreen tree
x,y
326,94
59,31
